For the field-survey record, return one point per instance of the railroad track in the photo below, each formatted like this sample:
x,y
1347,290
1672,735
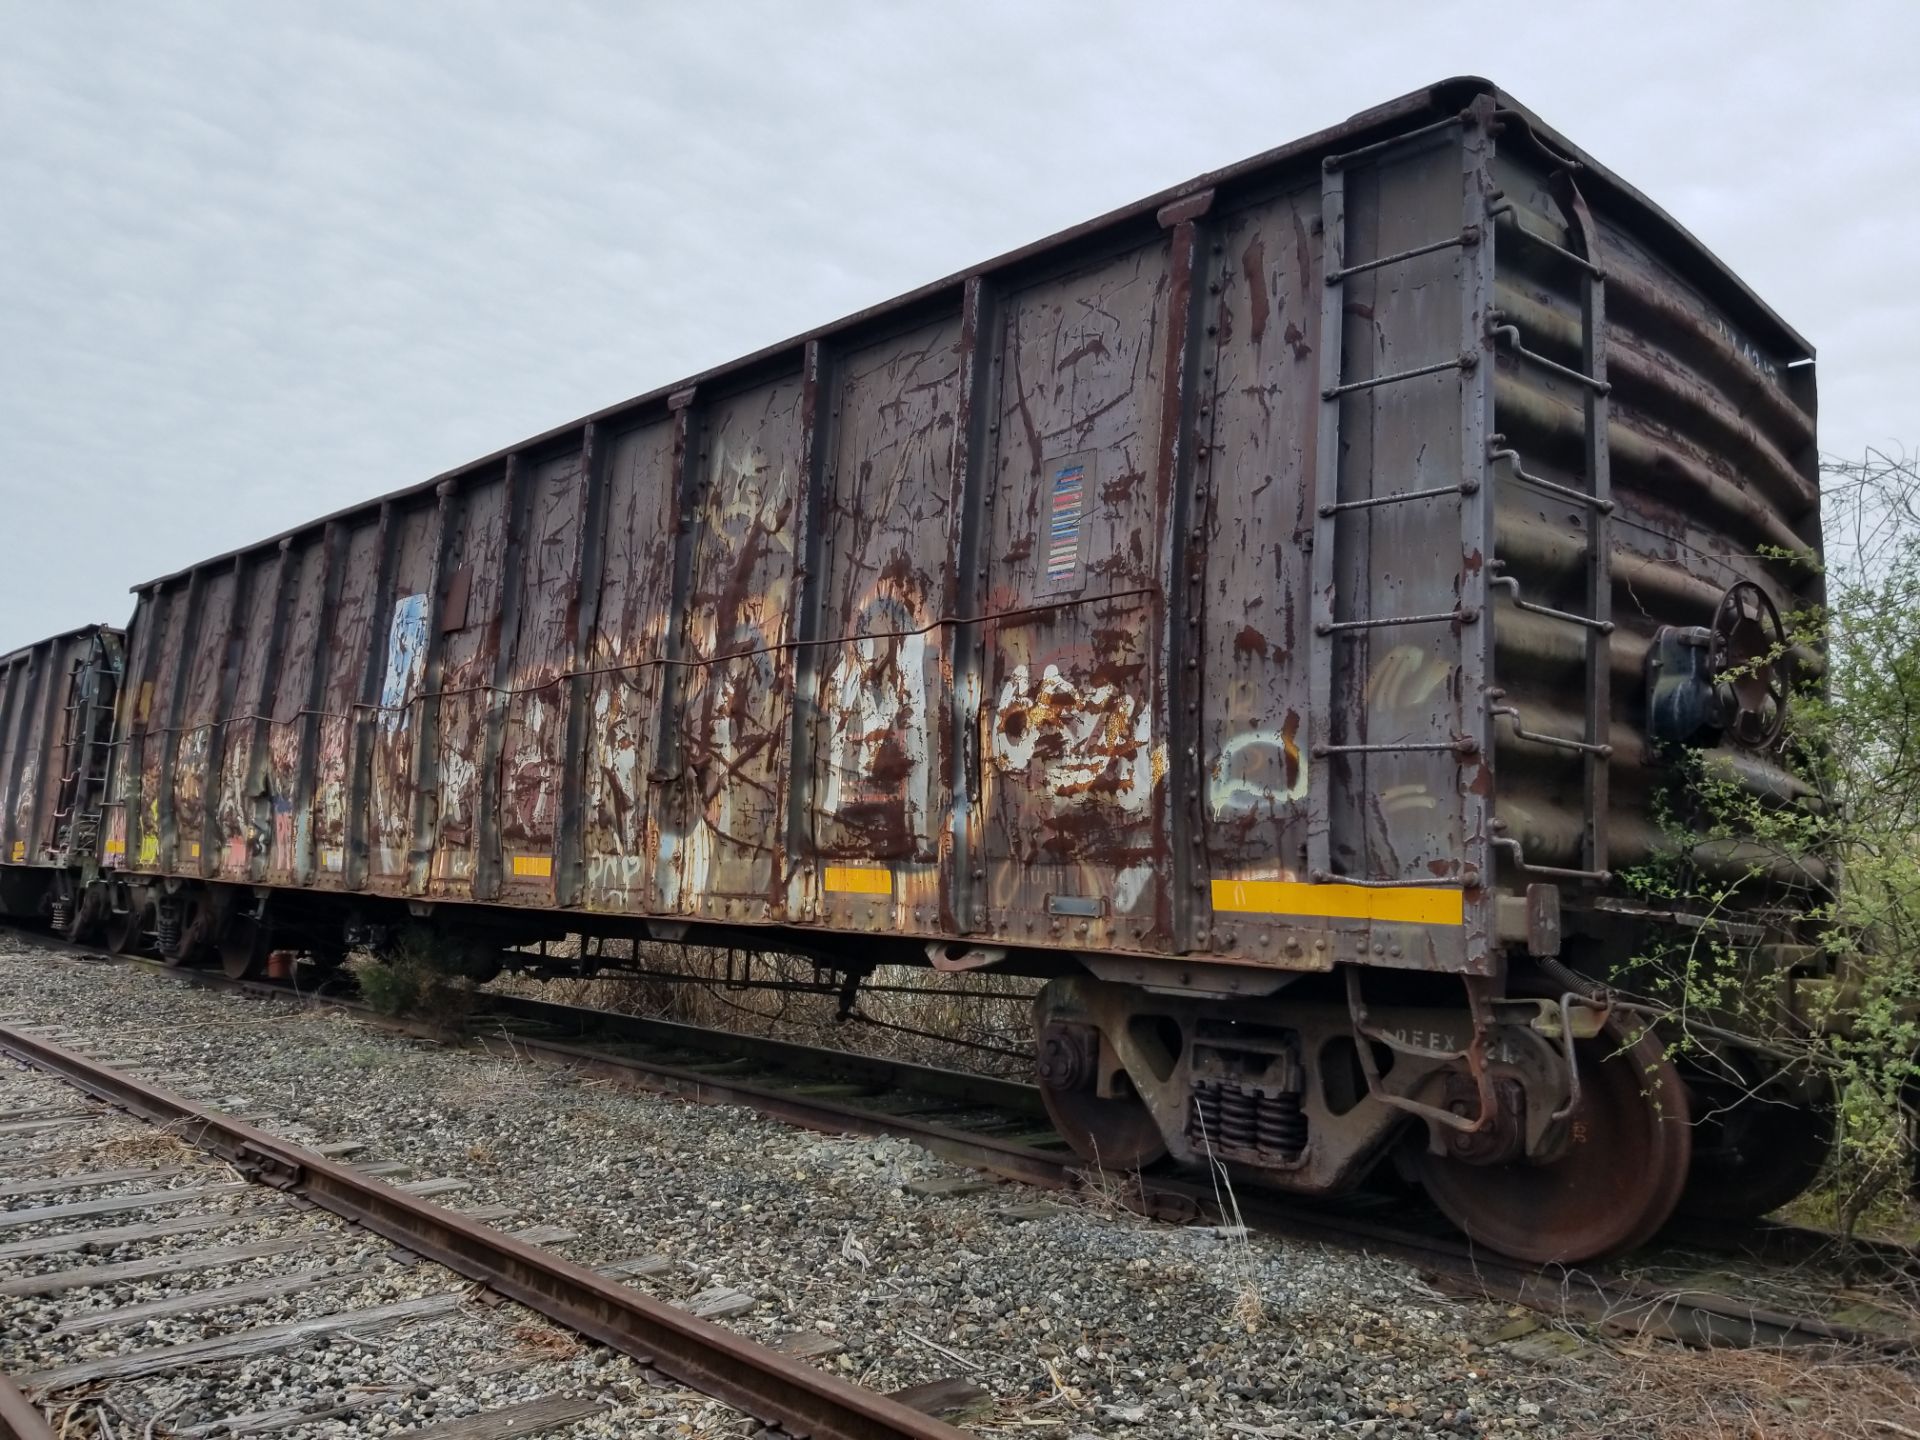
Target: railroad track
x,y
248,1221
999,1126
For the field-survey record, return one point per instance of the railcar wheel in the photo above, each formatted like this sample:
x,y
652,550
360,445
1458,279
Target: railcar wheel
x,y
1754,1150
243,949
179,932
1116,1134
127,929
1617,1183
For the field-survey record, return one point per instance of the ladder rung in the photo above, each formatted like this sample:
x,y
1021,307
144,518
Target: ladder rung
x,y
1459,362
1605,627
1366,152
1469,877
1507,207
1468,236
1580,497
1512,847
1465,487
1462,615
1559,742
1464,747
1511,334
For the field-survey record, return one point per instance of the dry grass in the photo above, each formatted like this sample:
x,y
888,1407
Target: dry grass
x,y
1674,1394
543,1342
147,1146
1107,1193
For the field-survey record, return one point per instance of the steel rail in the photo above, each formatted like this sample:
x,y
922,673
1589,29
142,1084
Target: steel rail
x,y
1024,1163
1621,1304
20,1418
1615,1303
772,1388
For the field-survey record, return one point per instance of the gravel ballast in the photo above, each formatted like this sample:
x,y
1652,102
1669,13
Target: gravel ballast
x,y
1077,1317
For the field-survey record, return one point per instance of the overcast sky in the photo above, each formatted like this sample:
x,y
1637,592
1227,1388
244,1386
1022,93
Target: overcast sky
x,y
258,261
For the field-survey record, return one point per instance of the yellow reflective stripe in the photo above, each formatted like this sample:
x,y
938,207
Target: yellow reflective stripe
x,y
1419,905
859,879
533,865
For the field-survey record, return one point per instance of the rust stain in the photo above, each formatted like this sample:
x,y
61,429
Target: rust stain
x,y
1253,264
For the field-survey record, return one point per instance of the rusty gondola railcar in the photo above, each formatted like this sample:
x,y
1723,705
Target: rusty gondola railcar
x,y
57,709
1271,611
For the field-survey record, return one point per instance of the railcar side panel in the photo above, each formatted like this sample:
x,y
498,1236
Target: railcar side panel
x,y
342,721
1257,728
57,700
632,613
237,836
719,851
288,713
533,756
471,606
878,740
211,652
23,676
1071,786
394,720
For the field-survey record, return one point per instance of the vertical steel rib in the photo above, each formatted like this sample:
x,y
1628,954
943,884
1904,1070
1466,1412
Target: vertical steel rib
x,y
1320,638
1182,562
589,568
963,877
1474,264
818,408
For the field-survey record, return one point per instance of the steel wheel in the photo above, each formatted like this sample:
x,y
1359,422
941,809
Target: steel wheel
x,y
1753,1151
1118,1134
1618,1182
127,929
243,949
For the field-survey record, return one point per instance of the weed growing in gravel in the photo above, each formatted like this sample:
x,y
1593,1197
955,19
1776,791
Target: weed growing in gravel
x,y
425,976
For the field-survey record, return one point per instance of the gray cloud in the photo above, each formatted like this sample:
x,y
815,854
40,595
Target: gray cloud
x,y
263,261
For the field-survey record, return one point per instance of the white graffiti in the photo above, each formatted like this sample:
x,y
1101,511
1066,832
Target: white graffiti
x,y
1256,774
1096,741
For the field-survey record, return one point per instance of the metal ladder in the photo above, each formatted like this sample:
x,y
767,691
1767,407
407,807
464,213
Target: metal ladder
x,y
1482,330
1470,492
87,743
